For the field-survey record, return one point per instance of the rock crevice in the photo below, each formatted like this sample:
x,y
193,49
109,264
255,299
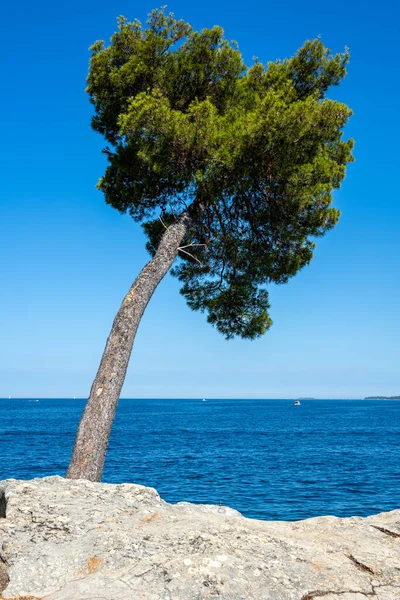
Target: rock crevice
x,y
3,503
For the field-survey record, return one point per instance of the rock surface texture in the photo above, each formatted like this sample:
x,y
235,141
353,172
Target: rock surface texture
x,y
77,540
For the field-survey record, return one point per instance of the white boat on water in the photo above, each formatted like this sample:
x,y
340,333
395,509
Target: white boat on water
x,y
296,403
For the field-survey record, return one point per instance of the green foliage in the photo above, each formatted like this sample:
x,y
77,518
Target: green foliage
x,y
254,153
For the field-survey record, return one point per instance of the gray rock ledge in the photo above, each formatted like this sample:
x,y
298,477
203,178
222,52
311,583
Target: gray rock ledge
x,y
77,540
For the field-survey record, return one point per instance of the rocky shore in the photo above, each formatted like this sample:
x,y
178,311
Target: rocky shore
x,y
76,540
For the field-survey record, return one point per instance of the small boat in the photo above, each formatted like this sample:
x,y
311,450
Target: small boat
x,y
296,403
204,400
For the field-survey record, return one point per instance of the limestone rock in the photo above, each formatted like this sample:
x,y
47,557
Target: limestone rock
x,y
77,540
3,577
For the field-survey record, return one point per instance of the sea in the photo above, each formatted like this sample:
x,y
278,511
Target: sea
x,y
268,459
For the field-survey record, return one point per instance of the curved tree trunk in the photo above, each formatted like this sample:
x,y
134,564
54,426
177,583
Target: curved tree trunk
x,y
95,426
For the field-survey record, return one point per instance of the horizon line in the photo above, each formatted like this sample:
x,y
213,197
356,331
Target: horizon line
x,y
199,398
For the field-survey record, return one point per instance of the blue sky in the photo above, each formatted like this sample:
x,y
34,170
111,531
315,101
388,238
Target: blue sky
x,y
66,259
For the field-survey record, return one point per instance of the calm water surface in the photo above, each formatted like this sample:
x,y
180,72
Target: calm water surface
x,y
268,459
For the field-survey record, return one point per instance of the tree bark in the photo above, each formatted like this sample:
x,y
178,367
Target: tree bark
x,y
94,429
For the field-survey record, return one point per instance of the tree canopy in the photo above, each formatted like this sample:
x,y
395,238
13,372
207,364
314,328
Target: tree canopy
x,y
253,153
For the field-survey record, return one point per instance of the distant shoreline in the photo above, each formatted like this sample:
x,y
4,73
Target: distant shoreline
x,y
382,398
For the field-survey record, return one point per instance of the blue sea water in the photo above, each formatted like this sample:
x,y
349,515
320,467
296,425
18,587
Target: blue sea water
x,y
266,458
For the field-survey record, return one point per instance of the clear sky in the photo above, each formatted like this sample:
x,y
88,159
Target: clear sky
x,y
67,259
